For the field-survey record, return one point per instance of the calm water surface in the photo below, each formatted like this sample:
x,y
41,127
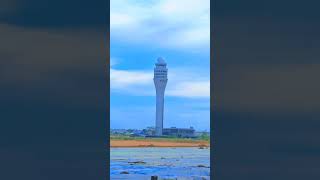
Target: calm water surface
x,y
141,163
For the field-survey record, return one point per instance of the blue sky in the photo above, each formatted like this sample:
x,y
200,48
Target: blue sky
x,y
178,31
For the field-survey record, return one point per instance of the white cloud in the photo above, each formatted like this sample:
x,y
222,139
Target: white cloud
x,y
182,83
113,62
118,19
194,89
180,24
124,79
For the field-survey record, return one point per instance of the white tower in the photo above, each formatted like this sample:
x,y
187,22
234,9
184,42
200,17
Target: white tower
x,y
160,81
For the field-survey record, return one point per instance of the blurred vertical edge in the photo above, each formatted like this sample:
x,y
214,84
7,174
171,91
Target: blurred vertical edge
x,y
212,95
266,89
54,89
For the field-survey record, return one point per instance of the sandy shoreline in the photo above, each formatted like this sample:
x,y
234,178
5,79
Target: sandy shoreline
x,y
155,143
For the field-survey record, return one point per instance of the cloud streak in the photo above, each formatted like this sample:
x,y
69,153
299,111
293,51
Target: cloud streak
x,y
174,24
182,83
124,79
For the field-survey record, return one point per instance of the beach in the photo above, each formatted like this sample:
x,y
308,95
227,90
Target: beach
x,y
117,143
187,163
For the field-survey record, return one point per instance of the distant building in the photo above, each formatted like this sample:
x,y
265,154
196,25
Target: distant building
x,y
137,133
118,131
179,132
150,131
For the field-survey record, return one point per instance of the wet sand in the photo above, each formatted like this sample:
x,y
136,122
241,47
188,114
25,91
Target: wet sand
x,y
157,143
188,163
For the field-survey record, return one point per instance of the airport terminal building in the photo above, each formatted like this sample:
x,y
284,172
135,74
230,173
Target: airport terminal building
x,y
179,132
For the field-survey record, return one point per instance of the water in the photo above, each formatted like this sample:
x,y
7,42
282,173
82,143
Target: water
x,y
187,163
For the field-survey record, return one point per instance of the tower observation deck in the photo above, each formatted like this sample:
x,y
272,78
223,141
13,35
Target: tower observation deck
x,y
160,81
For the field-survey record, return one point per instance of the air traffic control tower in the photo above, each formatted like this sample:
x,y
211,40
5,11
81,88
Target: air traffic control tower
x,y
160,81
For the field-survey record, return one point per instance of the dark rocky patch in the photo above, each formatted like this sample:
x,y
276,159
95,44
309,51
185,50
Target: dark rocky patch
x,y
137,162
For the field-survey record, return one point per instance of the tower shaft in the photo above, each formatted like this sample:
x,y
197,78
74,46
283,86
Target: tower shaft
x,y
159,113
160,82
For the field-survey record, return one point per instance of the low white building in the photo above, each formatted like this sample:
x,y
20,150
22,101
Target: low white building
x,y
179,132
